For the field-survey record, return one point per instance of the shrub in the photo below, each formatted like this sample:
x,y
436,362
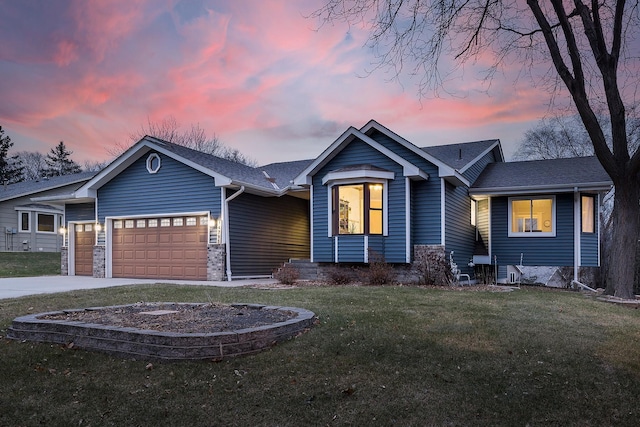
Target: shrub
x,y
339,275
379,271
287,275
432,268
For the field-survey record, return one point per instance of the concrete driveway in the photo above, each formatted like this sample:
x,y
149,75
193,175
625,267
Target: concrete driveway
x,y
21,286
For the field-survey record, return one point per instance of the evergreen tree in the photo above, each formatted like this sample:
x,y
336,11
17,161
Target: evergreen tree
x,y
10,167
58,162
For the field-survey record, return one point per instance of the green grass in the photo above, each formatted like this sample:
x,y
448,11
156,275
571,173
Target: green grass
x,y
26,264
379,356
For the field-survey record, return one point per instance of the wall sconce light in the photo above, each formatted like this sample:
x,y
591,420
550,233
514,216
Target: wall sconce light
x,y
98,227
62,230
212,222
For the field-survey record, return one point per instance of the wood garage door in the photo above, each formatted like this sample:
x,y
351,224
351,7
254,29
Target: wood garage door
x,y
160,248
84,241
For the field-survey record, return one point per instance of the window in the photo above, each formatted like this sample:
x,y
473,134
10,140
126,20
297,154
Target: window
x,y
357,208
474,209
532,217
141,223
153,163
25,222
191,221
46,223
153,223
588,214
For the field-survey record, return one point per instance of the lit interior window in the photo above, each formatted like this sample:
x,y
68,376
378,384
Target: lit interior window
x,y
359,209
532,216
588,214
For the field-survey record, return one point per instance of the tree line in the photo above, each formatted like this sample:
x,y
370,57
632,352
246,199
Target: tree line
x,y
32,165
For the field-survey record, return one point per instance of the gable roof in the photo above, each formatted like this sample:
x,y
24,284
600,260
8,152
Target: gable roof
x,y
463,155
445,158
26,188
225,172
542,176
409,169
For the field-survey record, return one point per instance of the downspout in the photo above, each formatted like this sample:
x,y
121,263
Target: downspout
x,y
576,233
226,229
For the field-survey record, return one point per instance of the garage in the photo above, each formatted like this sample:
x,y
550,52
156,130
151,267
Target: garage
x,y
84,241
160,248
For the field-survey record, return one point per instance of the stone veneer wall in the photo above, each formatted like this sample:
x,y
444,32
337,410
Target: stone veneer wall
x,y
99,261
216,257
64,261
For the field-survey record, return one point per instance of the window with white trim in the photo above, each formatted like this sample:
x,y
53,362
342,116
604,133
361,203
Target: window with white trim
x,y
46,223
24,221
357,208
532,216
588,213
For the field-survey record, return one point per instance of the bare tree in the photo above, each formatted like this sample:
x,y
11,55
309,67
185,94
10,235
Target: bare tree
x,y
93,166
586,46
33,163
554,138
168,129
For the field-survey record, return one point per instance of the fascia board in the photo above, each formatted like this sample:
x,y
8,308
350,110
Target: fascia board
x,y
40,190
304,178
484,153
567,188
334,176
443,169
133,154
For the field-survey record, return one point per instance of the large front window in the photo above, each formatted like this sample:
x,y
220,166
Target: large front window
x,y
357,208
46,223
532,217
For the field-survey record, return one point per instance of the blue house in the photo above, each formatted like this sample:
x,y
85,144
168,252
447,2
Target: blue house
x,y
164,211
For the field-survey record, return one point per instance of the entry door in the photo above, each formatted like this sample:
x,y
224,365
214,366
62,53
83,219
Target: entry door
x,y
84,240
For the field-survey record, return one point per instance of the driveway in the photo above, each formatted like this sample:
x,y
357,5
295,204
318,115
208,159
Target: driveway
x,y
21,286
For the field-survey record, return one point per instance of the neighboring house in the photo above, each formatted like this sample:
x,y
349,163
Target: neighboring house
x,y
165,211
27,224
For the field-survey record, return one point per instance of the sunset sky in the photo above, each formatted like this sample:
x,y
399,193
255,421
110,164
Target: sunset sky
x,y
260,75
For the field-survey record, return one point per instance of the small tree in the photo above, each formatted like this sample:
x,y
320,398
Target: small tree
x,y
10,167
58,162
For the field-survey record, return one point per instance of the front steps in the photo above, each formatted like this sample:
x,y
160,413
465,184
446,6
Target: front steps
x,y
307,270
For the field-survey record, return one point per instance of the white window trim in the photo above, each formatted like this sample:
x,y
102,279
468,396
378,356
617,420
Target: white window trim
x,y
56,221
20,230
351,181
150,159
528,233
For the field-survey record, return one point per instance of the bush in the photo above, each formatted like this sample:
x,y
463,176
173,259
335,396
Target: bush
x,y
432,269
287,275
379,271
339,275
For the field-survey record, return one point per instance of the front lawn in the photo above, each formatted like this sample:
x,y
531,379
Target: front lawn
x,y
379,356
26,264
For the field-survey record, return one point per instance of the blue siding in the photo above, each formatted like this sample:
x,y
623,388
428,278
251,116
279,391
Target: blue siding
x,y
476,169
459,233
425,213
174,188
551,251
589,250
80,212
266,232
358,152
482,222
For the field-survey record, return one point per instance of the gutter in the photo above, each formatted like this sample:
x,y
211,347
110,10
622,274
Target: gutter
x,y
226,230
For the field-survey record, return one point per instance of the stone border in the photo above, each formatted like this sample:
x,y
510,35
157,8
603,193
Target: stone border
x,y
157,345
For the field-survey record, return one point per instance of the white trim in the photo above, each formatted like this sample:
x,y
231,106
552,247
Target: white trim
x,y
481,155
409,169
407,220
362,174
528,234
311,224
598,224
149,163
353,181
108,227
443,216
365,243
56,221
71,247
226,230
577,232
20,212
489,228
335,249
540,189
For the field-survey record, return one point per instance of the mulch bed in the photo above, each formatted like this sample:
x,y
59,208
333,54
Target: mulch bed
x,y
181,318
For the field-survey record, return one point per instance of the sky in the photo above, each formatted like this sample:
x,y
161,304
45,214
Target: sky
x,y
260,75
